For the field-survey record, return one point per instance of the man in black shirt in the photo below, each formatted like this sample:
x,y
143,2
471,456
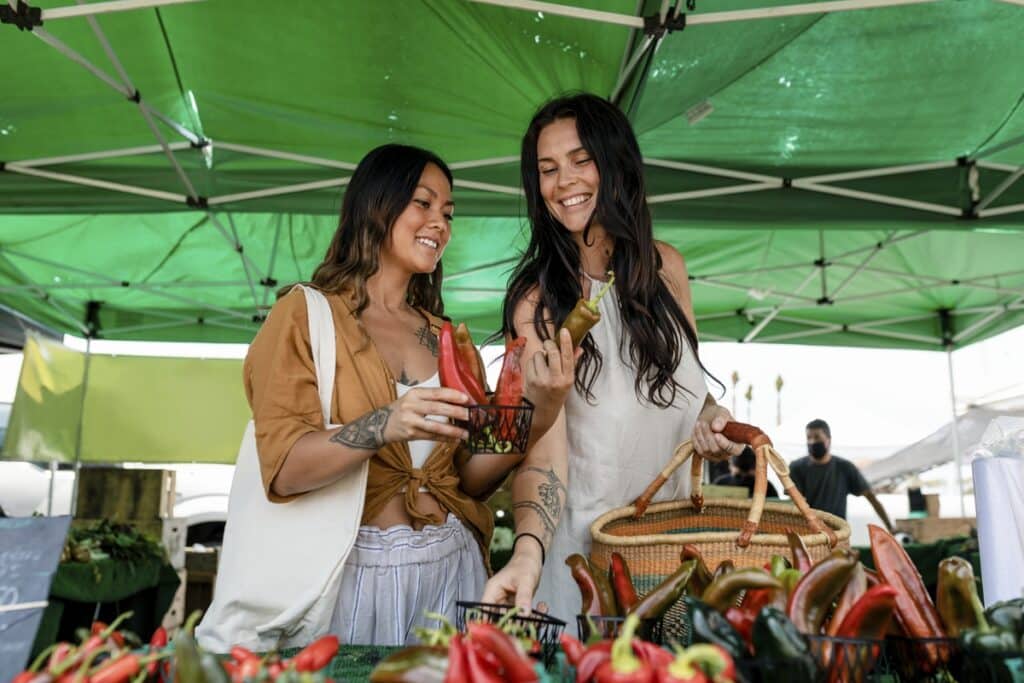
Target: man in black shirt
x,y
825,479
743,467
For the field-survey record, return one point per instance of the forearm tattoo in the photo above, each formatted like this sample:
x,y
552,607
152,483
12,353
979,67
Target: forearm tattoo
x,y
367,432
551,495
428,339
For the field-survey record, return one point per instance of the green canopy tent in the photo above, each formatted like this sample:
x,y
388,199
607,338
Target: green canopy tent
x,y
835,172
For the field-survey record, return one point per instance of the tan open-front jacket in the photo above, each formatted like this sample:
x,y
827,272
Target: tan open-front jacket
x,y
280,384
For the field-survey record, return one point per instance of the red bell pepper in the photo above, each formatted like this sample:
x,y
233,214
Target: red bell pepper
x,y
596,655
573,649
483,666
622,584
653,655
240,654
715,662
517,668
682,670
624,666
742,620
451,370
317,654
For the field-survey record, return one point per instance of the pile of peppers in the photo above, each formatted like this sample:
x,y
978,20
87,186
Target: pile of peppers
x,y
105,656
485,653
460,367
628,659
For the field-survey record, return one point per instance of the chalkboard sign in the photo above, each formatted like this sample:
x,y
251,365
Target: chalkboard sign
x,y
29,553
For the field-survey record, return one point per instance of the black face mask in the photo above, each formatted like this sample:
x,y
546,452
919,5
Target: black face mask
x,y
817,450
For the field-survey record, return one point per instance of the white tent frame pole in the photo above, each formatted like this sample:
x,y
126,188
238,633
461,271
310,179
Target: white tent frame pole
x,y
100,184
893,238
956,435
1003,187
859,268
969,330
478,268
192,302
152,326
878,172
249,327
1013,142
904,336
114,285
706,280
777,309
802,334
988,309
887,293
713,192
94,156
711,170
998,166
246,261
61,311
182,176
631,66
270,266
1001,211
106,8
971,283
627,20
81,426
708,17
878,198
275,191
489,187
481,163
711,336
756,271
285,156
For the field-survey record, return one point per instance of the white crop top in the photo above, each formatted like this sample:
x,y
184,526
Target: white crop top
x,y
421,449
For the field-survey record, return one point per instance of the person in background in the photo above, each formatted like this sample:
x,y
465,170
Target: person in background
x,y
741,473
826,480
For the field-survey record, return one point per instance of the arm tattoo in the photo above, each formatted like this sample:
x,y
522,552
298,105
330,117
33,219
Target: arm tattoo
x,y
367,432
427,338
551,494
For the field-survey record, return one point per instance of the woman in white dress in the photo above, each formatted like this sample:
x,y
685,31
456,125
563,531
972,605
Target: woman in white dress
x,y
640,388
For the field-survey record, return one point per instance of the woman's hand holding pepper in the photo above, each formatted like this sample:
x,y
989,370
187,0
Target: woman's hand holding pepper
x,y
407,419
707,439
549,374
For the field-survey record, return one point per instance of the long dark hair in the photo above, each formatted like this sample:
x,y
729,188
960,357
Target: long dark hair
x,y
550,265
380,190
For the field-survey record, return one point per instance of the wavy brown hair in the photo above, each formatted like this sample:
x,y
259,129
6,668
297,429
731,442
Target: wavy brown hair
x,y
380,190
655,327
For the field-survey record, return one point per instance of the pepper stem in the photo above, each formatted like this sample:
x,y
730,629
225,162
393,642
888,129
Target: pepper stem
x,y
592,304
623,659
38,661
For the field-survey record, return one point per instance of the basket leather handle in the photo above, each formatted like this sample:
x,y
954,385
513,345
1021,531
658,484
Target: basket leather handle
x,y
741,432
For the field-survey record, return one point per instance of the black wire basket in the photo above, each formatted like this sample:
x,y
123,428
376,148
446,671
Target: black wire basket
x,y
852,660
540,627
990,667
498,429
609,627
925,659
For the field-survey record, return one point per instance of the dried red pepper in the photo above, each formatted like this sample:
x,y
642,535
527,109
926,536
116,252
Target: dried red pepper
x,y
702,576
914,607
801,556
470,354
855,588
867,619
589,591
509,391
726,588
452,373
585,314
622,583
666,593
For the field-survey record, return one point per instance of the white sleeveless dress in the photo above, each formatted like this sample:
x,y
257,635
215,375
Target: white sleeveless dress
x,y
617,446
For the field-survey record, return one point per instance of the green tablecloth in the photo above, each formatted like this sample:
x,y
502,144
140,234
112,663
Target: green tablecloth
x,y
926,557
146,588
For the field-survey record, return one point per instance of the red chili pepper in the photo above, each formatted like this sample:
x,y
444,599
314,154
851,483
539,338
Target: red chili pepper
x,y
741,620
509,391
248,668
914,606
317,654
855,588
470,354
574,649
594,601
116,670
274,670
24,677
596,655
60,654
801,556
240,654
810,600
451,370
624,666
517,668
868,619
482,665
157,641
622,584
457,664
98,627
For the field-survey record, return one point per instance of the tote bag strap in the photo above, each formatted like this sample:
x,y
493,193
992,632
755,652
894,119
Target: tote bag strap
x,y
322,342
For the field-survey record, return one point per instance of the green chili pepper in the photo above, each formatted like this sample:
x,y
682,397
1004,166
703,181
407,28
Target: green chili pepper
x,y
707,625
656,603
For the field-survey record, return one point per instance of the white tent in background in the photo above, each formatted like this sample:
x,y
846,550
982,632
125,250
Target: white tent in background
x,y
938,447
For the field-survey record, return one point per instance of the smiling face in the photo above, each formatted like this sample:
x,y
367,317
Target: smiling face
x,y
422,231
569,179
